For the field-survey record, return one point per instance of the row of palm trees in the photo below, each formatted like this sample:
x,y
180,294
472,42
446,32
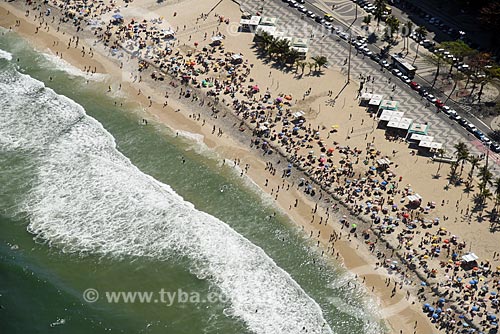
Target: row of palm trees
x,y
485,176
280,50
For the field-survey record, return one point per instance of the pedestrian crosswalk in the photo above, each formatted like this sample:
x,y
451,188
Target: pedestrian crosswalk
x,y
323,42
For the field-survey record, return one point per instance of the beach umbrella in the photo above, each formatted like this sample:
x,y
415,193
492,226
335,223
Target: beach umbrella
x,y
475,308
426,305
435,316
442,300
430,309
117,16
493,293
354,225
461,316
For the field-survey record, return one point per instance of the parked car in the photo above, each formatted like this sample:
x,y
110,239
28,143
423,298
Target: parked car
x,y
470,127
384,63
415,86
439,103
445,109
431,98
396,72
405,79
495,147
423,92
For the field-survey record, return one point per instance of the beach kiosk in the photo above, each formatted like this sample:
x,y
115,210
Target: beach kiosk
x,y
250,24
300,45
261,29
268,21
418,128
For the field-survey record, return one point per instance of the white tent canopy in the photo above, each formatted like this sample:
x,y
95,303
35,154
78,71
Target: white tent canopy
x,y
436,145
419,137
366,96
374,101
389,115
414,198
383,161
255,20
425,143
470,257
389,104
261,29
401,123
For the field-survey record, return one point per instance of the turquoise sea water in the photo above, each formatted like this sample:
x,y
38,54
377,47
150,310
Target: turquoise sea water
x,y
90,198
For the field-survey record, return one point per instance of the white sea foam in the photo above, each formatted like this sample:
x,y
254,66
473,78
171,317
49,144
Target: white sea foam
x,y
63,65
5,55
90,198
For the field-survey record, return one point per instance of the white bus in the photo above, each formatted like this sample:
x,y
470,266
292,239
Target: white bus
x,y
403,66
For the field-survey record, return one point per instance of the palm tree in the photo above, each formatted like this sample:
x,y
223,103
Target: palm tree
x,y
491,72
453,171
292,56
409,27
311,66
497,191
302,66
393,25
485,177
440,153
367,20
474,162
435,59
319,62
421,33
462,154
265,41
379,10
457,76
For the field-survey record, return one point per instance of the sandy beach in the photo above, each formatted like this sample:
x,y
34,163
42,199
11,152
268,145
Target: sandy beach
x,y
336,121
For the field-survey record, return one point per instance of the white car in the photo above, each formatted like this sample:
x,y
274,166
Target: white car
x,y
431,98
396,72
446,110
344,35
405,79
384,63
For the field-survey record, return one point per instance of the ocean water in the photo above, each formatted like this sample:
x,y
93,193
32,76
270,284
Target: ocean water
x,y
90,198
